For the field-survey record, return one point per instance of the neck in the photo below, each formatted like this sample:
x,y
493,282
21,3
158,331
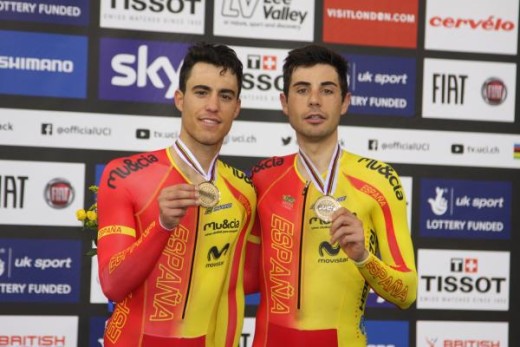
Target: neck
x,y
203,154
320,154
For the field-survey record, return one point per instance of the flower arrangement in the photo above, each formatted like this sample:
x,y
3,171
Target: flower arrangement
x,y
90,223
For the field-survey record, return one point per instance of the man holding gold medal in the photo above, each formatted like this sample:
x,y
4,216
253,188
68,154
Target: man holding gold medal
x,y
332,224
173,223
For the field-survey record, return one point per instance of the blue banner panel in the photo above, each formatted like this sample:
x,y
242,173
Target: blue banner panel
x,y
465,209
135,70
388,333
43,64
73,12
382,85
40,270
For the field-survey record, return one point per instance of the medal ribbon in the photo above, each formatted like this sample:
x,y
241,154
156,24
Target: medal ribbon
x,y
330,180
188,157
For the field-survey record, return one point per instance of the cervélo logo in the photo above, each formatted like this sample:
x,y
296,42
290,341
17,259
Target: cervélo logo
x,y
135,70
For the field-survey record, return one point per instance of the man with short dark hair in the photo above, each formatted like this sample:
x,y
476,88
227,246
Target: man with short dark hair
x,y
332,224
173,223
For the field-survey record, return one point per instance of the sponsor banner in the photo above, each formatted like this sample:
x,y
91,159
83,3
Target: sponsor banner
x,y
40,270
97,329
59,129
55,331
48,192
478,26
262,82
136,70
265,19
387,333
179,16
74,12
432,147
371,22
465,209
469,90
49,65
452,333
463,280
248,332
382,85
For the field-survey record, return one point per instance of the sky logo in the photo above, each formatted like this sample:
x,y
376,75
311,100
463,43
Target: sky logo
x,y
134,70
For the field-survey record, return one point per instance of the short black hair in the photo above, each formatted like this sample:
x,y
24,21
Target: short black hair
x,y
214,54
311,55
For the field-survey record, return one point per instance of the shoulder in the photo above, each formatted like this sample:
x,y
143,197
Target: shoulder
x,y
375,173
271,166
133,165
234,175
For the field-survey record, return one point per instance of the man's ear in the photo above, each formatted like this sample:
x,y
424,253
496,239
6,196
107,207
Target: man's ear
x,y
237,108
283,101
178,99
345,104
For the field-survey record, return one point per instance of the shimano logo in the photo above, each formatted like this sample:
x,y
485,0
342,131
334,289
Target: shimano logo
x,y
36,64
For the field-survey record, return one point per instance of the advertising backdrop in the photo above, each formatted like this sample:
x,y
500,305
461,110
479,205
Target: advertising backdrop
x,y
433,86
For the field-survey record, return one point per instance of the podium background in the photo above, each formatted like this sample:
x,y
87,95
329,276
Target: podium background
x,y
441,107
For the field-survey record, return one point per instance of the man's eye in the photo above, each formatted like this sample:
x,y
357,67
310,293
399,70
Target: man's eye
x,y
328,91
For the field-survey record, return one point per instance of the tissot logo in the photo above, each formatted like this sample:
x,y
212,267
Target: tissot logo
x,y
464,265
458,279
259,62
46,129
142,133
457,148
214,253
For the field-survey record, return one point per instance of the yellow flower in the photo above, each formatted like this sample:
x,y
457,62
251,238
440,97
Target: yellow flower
x,y
92,215
81,214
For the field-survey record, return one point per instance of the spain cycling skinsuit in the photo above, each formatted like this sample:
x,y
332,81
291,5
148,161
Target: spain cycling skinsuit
x,y
178,288
311,294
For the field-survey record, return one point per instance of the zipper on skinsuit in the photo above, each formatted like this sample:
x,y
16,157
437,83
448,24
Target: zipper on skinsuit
x,y
192,264
304,193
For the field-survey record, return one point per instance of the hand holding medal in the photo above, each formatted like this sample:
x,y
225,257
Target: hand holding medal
x,y
209,195
325,206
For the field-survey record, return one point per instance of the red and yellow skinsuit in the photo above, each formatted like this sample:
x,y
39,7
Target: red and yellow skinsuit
x,y
178,288
311,294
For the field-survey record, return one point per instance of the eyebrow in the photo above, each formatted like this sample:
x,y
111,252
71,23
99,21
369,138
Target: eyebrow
x,y
322,84
207,88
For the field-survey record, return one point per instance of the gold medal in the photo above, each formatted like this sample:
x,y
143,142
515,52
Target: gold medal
x,y
325,206
209,195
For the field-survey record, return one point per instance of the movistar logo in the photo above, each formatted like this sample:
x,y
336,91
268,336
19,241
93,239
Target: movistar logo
x,y
329,249
215,253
